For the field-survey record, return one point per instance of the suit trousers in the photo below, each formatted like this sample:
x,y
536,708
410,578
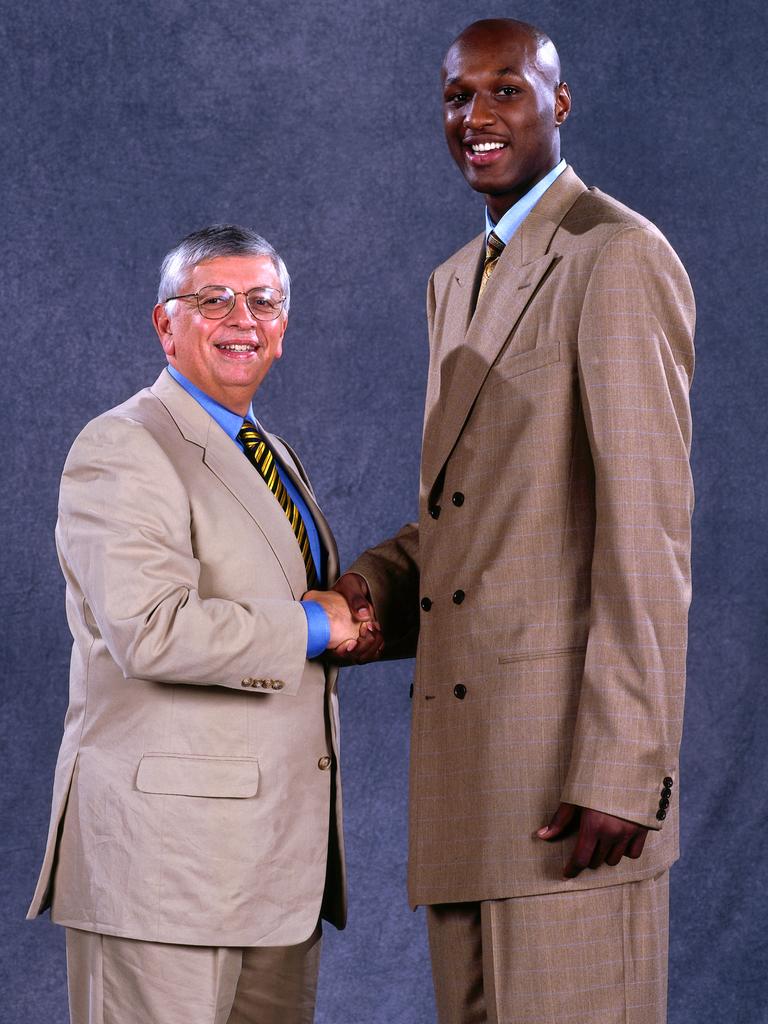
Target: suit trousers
x,y
113,980
595,956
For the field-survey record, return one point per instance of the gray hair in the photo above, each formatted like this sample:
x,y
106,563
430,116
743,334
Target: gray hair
x,y
208,243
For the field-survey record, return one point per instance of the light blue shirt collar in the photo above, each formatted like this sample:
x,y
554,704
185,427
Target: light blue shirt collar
x,y
230,422
516,214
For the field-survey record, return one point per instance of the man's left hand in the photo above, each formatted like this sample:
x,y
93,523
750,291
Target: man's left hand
x,y
603,838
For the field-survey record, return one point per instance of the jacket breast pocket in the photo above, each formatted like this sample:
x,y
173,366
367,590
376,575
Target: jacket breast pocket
x,y
510,367
191,775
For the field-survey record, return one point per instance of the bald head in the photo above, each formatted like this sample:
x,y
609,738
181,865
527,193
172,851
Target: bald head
x,y
503,105
503,32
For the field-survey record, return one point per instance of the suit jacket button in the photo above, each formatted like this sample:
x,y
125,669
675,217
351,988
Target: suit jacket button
x,y
276,684
666,792
663,804
435,511
661,815
245,682
426,604
460,691
458,499
324,763
669,782
458,596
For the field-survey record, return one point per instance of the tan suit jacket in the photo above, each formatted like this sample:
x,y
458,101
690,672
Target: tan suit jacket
x,y
193,799
551,556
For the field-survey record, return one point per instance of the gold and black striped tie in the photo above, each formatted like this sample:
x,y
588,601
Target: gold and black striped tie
x,y
261,455
494,247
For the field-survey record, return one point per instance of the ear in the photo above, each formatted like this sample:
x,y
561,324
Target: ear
x,y
162,324
562,103
279,349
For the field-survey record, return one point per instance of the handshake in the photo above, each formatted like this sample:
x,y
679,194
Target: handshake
x,y
356,636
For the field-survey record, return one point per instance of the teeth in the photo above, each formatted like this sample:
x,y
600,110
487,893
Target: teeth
x,y
486,147
237,348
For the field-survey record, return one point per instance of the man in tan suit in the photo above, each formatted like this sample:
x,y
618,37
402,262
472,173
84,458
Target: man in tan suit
x,y
547,581
195,840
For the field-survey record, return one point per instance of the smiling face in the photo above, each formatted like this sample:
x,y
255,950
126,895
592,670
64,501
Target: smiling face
x,y
503,104
228,358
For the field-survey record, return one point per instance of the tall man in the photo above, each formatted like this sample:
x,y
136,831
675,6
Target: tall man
x,y
195,840
547,580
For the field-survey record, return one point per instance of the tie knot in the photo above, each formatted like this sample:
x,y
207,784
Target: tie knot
x,y
494,246
248,433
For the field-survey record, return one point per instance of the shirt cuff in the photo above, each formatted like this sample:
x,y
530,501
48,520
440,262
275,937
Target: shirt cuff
x,y
318,628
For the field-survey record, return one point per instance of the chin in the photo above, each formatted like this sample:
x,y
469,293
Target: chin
x,y
488,186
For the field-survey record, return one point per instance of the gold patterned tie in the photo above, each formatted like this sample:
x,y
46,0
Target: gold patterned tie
x,y
263,458
494,247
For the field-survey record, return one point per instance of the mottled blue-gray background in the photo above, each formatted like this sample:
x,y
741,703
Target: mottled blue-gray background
x,y
126,125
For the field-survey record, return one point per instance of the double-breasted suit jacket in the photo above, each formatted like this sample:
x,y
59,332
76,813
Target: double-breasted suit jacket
x,y
196,798
548,577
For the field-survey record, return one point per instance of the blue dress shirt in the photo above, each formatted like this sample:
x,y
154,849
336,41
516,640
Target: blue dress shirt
x,y
318,625
515,215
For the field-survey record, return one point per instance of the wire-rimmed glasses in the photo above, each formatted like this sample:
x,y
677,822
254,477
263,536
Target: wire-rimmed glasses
x,y
215,301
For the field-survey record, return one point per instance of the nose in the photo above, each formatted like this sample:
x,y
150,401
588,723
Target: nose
x,y
479,112
240,312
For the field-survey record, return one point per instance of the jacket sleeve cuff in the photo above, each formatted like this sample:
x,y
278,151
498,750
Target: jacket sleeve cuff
x,y
646,796
318,628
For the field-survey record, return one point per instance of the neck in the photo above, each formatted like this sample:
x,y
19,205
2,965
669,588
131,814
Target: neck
x,y
240,407
499,203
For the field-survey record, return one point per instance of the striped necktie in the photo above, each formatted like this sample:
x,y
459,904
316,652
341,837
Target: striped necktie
x,y
494,247
263,458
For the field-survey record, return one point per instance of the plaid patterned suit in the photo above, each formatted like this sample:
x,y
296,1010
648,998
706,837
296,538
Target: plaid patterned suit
x,y
548,578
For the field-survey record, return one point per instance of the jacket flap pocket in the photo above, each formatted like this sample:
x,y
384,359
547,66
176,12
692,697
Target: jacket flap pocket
x,y
188,775
553,652
523,362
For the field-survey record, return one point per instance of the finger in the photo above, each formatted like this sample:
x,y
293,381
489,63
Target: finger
x,y
617,852
360,609
354,590
370,646
600,854
368,629
357,650
635,848
560,824
582,854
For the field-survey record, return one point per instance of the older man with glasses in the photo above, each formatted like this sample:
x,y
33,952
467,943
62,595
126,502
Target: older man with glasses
x,y
195,839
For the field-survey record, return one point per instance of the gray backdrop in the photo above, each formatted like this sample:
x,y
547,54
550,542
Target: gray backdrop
x,y
126,125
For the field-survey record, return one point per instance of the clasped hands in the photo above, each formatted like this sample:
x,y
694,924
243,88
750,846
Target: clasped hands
x,y
356,636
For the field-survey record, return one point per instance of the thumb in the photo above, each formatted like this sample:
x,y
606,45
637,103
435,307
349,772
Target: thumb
x,y
560,822
355,592
360,608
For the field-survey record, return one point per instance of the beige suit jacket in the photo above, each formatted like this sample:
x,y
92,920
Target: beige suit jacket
x,y
548,577
193,799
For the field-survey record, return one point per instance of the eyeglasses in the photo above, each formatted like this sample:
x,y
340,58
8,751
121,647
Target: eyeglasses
x,y
216,301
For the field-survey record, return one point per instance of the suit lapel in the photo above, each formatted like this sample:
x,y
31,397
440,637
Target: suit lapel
x,y
469,345
230,466
449,333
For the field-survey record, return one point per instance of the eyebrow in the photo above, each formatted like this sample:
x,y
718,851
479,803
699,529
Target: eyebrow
x,y
500,73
